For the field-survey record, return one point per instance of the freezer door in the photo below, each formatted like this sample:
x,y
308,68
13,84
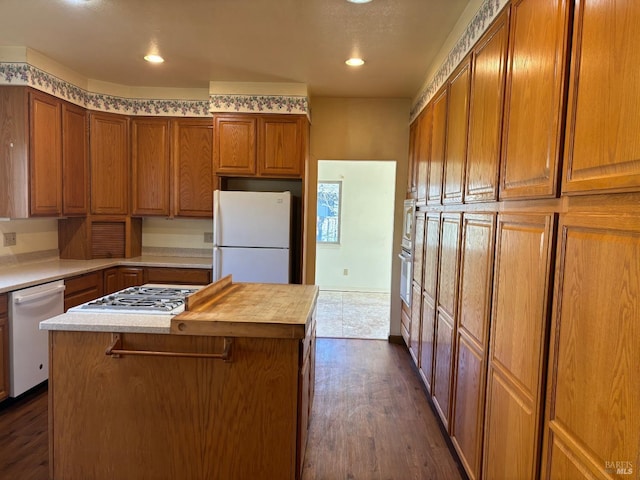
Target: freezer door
x,y
251,219
259,265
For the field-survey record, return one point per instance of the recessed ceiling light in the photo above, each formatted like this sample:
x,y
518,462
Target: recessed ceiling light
x,y
358,1
154,58
355,62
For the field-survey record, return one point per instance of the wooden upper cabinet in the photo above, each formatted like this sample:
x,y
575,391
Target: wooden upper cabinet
x,y
422,153
592,419
413,161
517,346
109,163
533,116
191,153
472,338
485,112
438,148
602,151
150,166
457,128
45,154
75,161
281,145
234,144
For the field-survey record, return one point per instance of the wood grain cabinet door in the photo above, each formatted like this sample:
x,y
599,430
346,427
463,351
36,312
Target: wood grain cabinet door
x,y
457,128
536,71
75,160
413,161
438,148
593,406
472,338
150,166
192,151
416,294
446,314
45,154
234,144
109,141
281,141
429,296
485,112
517,346
602,150
422,151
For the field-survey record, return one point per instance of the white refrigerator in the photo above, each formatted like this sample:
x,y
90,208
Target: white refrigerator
x,y
251,236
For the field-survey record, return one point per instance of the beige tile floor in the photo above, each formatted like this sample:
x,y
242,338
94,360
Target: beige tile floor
x,y
353,315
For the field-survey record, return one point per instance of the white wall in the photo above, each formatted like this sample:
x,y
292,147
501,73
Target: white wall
x,y
366,236
32,235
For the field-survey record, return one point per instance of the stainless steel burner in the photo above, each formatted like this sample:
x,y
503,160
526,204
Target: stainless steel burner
x,y
144,299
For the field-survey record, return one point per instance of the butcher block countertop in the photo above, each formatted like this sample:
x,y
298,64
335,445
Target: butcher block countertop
x,y
261,310
222,308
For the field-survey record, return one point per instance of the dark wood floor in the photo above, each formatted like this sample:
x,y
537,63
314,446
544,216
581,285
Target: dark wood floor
x,y
371,420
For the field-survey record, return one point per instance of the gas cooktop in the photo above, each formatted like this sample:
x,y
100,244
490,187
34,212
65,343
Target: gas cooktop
x,y
168,299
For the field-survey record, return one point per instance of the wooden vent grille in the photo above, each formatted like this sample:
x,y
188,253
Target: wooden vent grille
x,y
108,239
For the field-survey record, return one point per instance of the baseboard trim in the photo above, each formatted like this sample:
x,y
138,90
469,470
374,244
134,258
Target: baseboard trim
x,y
397,340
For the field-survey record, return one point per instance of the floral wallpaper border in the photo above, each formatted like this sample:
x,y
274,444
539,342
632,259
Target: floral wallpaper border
x,y
25,74
481,21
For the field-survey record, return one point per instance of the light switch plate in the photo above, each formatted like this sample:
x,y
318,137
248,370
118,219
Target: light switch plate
x,y
9,239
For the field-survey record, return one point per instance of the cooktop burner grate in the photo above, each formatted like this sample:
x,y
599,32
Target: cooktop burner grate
x,y
143,299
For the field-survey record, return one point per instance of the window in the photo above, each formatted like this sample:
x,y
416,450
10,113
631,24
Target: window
x,y
328,220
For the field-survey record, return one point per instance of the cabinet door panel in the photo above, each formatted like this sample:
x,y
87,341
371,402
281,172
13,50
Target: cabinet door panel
x,y
534,98
474,310
422,152
234,144
603,119
517,348
193,166
416,323
418,248
448,276
431,255
438,146
109,141
595,352
485,113
427,341
45,154
457,127
75,166
442,366
280,150
412,168
150,166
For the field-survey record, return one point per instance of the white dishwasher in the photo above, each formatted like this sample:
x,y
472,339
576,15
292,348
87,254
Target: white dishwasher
x,y
28,345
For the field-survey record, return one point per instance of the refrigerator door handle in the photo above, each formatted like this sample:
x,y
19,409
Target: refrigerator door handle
x,y
217,266
216,217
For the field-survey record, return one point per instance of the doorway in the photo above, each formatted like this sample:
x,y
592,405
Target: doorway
x,y
354,240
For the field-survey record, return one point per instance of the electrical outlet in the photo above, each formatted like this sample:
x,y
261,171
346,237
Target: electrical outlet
x,y
208,237
345,272
9,239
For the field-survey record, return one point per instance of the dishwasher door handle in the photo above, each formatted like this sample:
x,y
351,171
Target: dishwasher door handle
x,y
37,296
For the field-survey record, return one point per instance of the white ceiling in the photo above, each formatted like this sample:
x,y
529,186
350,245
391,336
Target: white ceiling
x,y
302,41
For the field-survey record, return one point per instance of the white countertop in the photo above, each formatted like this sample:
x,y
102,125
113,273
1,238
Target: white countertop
x,y
25,275
109,322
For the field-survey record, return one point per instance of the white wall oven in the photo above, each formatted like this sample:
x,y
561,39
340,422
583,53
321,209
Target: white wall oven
x,y
406,258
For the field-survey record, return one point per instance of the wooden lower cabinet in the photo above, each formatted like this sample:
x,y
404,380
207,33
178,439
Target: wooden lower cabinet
x,y
405,323
82,289
117,278
445,315
517,346
179,276
416,323
429,296
138,416
4,347
593,393
472,339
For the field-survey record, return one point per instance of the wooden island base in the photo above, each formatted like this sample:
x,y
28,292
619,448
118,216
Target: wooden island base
x,y
144,416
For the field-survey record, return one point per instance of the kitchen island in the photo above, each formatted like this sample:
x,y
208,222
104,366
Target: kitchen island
x,y
221,391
